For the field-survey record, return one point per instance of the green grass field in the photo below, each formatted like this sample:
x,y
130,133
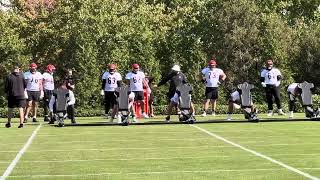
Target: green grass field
x,y
169,151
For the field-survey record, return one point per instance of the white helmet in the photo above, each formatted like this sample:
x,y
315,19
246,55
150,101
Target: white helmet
x,y
176,68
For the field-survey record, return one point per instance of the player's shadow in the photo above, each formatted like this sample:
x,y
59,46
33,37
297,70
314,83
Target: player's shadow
x,y
197,122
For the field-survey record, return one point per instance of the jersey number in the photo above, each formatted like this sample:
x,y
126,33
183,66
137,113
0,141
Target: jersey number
x,y
111,80
269,75
135,80
35,80
212,75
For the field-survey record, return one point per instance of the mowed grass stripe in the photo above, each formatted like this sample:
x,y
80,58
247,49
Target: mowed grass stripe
x,y
163,150
259,153
174,174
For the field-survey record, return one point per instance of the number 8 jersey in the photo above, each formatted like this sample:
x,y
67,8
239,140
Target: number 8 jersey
x,y
111,80
271,76
33,81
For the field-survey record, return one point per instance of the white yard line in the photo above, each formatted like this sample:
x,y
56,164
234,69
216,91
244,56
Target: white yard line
x,y
19,155
123,159
257,154
148,172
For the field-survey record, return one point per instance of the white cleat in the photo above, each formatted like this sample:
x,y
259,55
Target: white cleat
x,y
134,119
281,113
291,114
144,115
204,114
229,117
270,113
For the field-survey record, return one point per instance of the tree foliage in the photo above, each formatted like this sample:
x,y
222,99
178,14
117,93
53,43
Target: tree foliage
x,y
86,35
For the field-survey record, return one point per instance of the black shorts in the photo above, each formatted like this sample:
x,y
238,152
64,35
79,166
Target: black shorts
x,y
33,96
211,93
16,102
110,97
138,95
47,95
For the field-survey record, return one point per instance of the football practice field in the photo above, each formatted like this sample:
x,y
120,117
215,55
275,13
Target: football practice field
x,y
232,150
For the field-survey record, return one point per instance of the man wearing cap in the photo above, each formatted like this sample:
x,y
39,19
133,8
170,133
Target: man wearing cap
x,y
212,77
15,86
270,78
110,81
176,78
48,86
136,81
34,91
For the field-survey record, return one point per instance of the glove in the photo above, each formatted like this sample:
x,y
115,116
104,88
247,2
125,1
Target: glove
x,y
263,84
25,94
41,94
102,92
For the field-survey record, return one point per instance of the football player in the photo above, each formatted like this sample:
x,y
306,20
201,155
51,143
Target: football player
x,y
48,86
212,77
270,78
111,79
34,91
136,81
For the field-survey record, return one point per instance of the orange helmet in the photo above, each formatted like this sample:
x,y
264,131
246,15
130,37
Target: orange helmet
x,y
33,65
50,68
112,66
135,66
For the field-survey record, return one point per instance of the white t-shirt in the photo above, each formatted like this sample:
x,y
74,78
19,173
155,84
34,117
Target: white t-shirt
x,y
48,82
292,87
212,76
136,80
33,81
270,76
111,80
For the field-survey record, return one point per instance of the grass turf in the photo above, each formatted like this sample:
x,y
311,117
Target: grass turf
x,y
162,151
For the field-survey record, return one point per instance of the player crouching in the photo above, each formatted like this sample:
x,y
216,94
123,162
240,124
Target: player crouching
x,y
241,98
60,100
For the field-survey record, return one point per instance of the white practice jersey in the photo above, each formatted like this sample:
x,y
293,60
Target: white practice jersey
x,y
212,76
292,87
33,81
270,76
136,80
111,80
48,82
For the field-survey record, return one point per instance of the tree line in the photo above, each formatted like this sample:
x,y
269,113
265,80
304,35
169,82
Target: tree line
x,y
86,35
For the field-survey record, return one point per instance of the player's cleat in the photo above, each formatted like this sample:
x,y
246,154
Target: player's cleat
x,y
168,119
60,124
291,114
134,119
20,126
213,113
46,118
25,120
51,122
204,114
34,119
270,113
144,115
8,125
229,117
281,113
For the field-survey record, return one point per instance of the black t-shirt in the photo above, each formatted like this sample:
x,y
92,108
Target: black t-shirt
x,y
176,79
15,85
70,82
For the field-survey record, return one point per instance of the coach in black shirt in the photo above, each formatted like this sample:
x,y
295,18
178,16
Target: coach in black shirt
x,y
15,85
176,78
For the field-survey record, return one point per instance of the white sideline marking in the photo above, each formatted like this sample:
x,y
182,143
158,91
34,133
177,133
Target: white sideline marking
x,y
257,154
19,155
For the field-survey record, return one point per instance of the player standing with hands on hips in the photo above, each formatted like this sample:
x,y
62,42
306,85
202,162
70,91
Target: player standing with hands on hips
x,y
212,77
270,78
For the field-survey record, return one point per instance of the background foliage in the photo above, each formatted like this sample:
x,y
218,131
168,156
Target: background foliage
x,y
86,35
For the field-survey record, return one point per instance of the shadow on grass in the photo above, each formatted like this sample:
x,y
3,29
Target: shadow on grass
x,y
197,122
